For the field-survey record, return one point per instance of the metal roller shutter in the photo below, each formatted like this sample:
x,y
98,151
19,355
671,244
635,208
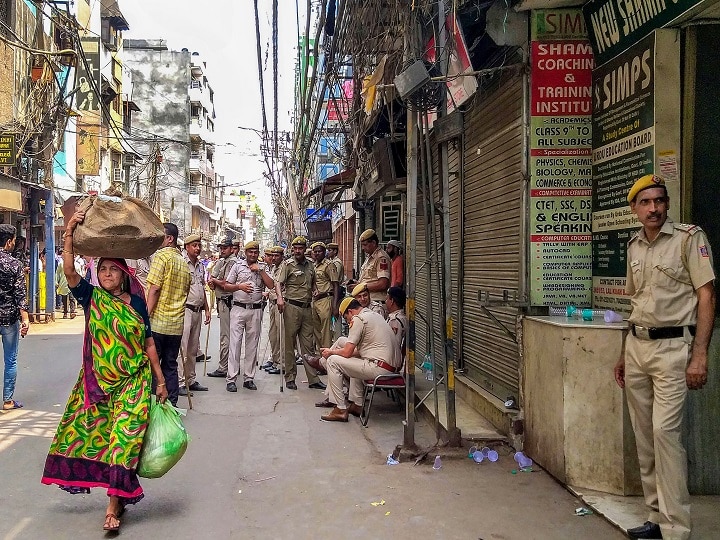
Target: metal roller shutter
x,y
492,227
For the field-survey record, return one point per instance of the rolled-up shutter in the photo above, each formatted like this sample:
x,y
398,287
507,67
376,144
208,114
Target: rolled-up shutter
x,y
492,227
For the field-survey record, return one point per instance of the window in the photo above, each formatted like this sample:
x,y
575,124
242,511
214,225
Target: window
x,y
391,214
5,15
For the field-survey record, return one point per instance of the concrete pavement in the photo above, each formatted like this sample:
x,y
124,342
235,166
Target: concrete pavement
x,y
262,465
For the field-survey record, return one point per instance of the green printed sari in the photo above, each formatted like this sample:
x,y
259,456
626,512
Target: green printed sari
x,y
99,438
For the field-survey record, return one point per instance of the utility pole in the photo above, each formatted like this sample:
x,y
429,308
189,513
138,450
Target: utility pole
x,y
155,160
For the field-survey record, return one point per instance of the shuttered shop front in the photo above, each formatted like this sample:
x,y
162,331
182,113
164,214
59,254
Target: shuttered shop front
x,y
493,205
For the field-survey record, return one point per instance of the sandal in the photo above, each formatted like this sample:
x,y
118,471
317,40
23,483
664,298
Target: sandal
x,y
107,526
12,404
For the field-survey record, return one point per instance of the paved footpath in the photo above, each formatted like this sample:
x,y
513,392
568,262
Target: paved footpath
x,y
262,465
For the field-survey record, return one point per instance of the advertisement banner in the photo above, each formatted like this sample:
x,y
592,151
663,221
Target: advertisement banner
x,y
560,159
86,98
88,149
7,150
626,118
615,25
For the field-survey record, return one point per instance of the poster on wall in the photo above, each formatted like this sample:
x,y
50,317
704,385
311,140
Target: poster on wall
x,y
560,159
636,130
88,77
88,149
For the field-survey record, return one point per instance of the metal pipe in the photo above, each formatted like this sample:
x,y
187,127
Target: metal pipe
x,y
461,258
446,264
524,202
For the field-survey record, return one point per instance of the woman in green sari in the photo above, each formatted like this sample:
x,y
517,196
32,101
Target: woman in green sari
x,y
99,438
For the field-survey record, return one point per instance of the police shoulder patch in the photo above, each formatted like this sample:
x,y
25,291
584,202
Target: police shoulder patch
x,y
688,228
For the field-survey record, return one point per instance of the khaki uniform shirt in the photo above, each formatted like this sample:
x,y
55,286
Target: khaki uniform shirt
x,y
377,307
221,270
662,275
298,279
373,337
340,269
196,296
272,271
376,266
325,275
241,273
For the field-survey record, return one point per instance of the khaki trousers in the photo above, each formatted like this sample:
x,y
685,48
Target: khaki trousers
x,y
189,346
322,315
358,370
224,316
245,324
656,389
274,335
298,323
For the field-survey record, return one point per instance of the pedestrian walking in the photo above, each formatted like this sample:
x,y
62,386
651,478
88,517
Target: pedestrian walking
x,y
169,284
670,282
297,277
98,440
68,300
195,304
14,319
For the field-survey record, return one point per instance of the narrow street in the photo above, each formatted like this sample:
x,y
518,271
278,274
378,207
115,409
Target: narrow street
x,y
262,465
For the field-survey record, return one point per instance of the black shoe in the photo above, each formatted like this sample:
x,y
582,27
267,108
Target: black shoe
x,y
183,392
197,387
231,387
250,385
267,365
273,371
217,373
201,358
318,385
646,530
290,385
298,361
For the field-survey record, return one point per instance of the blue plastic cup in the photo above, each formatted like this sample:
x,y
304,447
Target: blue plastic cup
x,y
493,456
478,456
522,460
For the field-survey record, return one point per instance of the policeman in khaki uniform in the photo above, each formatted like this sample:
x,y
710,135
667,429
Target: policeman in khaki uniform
x,y
361,294
375,271
247,281
297,277
332,254
325,302
670,279
272,366
368,351
219,273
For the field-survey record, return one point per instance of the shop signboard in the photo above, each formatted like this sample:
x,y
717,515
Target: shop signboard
x,y
7,150
560,159
88,149
636,130
615,25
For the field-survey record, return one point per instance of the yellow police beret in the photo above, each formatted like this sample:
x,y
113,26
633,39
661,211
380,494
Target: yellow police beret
x,y
344,304
645,182
368,233
360,287
278,250
299,241
190,239
252,244
332,245
318,244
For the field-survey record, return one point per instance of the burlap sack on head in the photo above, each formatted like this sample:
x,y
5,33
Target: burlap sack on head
x,y
117,227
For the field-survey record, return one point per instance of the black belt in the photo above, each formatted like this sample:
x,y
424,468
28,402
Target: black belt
x,y
195,309
664,332
248,306
298,303
227,300
323,295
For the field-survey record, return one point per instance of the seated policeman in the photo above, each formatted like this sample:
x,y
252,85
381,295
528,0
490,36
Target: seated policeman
x,y
368,351
362,295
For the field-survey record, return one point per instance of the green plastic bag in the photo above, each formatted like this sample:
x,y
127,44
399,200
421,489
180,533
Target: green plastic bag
x,y
165,441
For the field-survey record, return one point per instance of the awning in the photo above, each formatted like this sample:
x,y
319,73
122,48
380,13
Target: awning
x,y
10,194
343,179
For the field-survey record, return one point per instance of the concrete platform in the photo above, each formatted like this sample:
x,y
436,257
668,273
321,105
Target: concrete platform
x,y
627,512
473,426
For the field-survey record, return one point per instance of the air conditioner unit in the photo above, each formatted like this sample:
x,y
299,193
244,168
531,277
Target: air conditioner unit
x,y
118,176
